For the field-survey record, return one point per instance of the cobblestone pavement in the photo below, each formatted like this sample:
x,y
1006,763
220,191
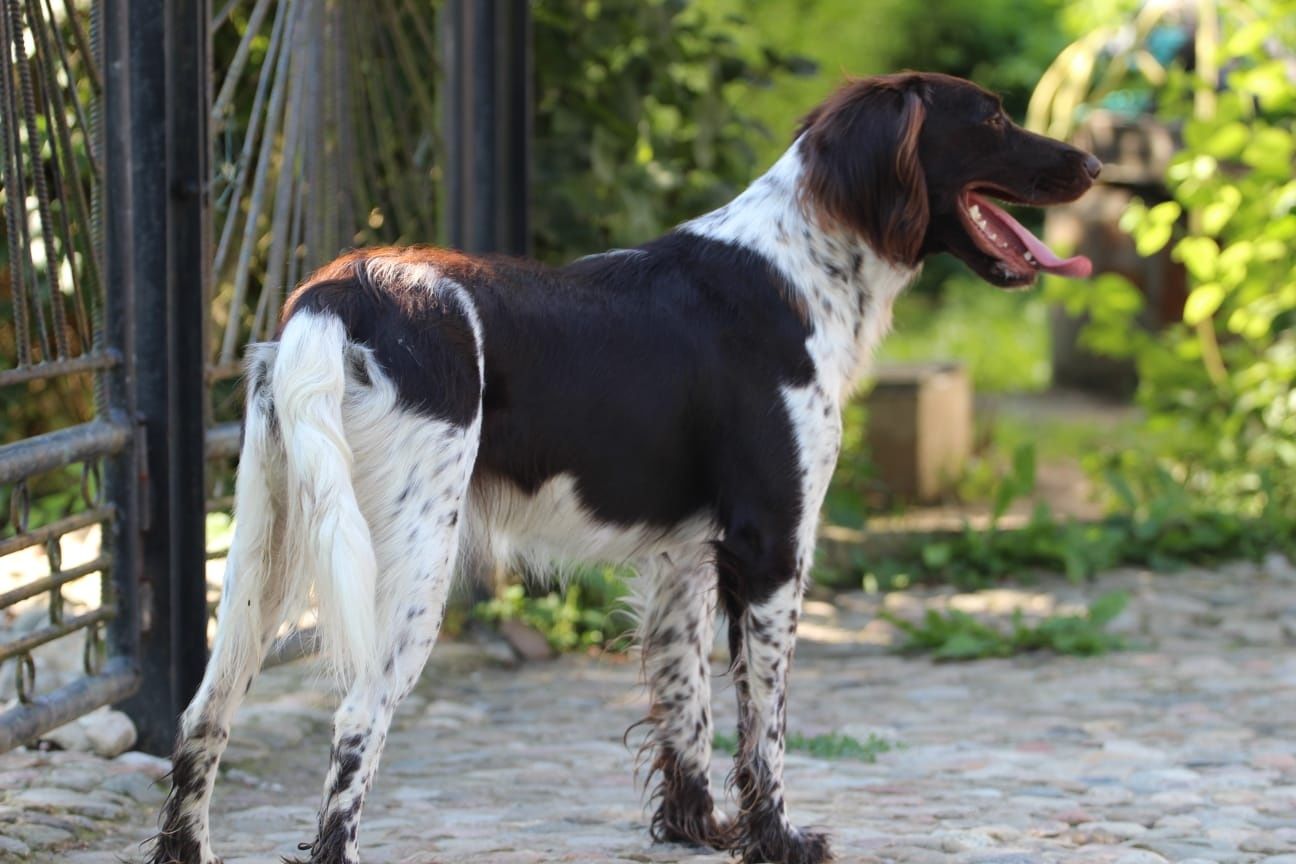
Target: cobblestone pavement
x,y
1183,750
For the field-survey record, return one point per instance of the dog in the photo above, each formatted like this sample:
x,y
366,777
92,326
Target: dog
x,y
676,406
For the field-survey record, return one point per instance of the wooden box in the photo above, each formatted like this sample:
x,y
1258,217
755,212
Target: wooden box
x,y
920,428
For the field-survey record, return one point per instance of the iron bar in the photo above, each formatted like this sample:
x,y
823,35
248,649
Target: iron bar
x,y
63,176
83,47
219,504
116,392
294,117
54,530
168,68
15,185
248,150
486,44
53,450
87,67
24,723
56,580
39,181
223,440
294,646
276,113
226,96
223,371
36,638
58,368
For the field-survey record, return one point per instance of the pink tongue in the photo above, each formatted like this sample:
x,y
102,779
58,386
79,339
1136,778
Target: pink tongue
x,y
1078,267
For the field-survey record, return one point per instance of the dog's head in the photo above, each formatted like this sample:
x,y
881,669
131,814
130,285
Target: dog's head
x,y
911,161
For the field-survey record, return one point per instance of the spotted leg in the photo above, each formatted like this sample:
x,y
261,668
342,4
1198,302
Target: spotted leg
x,y
412,475
678,597
762,637
184,835
252,602
764,560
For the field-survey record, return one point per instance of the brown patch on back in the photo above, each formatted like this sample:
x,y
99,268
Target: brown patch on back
x,y
450,262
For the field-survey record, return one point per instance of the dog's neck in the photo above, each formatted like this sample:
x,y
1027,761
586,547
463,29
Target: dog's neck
x,y
844,289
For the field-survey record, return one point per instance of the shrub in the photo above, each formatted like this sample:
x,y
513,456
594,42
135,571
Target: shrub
x,y
1218,388
639,118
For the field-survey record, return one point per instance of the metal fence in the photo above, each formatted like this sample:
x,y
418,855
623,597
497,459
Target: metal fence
x,y
153,219
58,360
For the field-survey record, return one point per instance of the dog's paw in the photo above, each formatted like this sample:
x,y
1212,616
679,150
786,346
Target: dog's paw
x,y
712,827
178,847
784,846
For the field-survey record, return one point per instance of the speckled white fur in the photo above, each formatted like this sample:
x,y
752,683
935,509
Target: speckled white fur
x,y
846,289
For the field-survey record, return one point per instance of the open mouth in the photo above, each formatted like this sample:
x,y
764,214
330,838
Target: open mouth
x,y
1018,253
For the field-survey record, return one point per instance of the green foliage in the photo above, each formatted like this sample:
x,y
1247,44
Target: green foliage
x,y
1157,524
1003,45
587,615
1000,336
640,118
854,477
957,635
832,745
1219,388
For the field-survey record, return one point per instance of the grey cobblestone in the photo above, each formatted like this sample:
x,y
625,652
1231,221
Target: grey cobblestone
x,y
1182,751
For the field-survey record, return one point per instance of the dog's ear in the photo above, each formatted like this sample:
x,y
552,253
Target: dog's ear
x,y
861,167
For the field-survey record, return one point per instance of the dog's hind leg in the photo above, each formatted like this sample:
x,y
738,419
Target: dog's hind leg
x,y
677,599
251,610
411,480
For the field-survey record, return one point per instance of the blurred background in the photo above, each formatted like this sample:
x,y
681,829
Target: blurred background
x,y
1146,416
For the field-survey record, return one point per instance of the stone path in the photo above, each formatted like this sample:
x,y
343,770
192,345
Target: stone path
x,y
1182,751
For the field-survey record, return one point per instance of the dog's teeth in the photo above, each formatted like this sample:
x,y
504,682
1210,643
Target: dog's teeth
x,y
1030,259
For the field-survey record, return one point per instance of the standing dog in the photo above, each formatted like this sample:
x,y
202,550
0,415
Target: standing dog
x,y
676,406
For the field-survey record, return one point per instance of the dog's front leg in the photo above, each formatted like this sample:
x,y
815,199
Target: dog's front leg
x,y
762,636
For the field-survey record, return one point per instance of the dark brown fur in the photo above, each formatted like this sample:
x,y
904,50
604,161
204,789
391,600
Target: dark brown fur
x,y
862,168
686,813
175,842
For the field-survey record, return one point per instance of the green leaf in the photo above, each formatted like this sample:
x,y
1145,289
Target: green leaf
x,y
1104,610
1248,38
1024,468
1203,302
1198,254
1216,214
1121,487
1268,82
1270,151
968,646
1227,141
937,556
1153,231
1165,213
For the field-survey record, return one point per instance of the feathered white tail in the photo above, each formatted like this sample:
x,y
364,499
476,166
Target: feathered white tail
x,y
327,539
252,596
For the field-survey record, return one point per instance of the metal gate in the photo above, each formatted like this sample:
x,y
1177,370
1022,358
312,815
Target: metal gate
x,y
154,214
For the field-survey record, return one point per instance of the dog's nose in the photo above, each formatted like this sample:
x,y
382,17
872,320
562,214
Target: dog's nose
x,y
1092,165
